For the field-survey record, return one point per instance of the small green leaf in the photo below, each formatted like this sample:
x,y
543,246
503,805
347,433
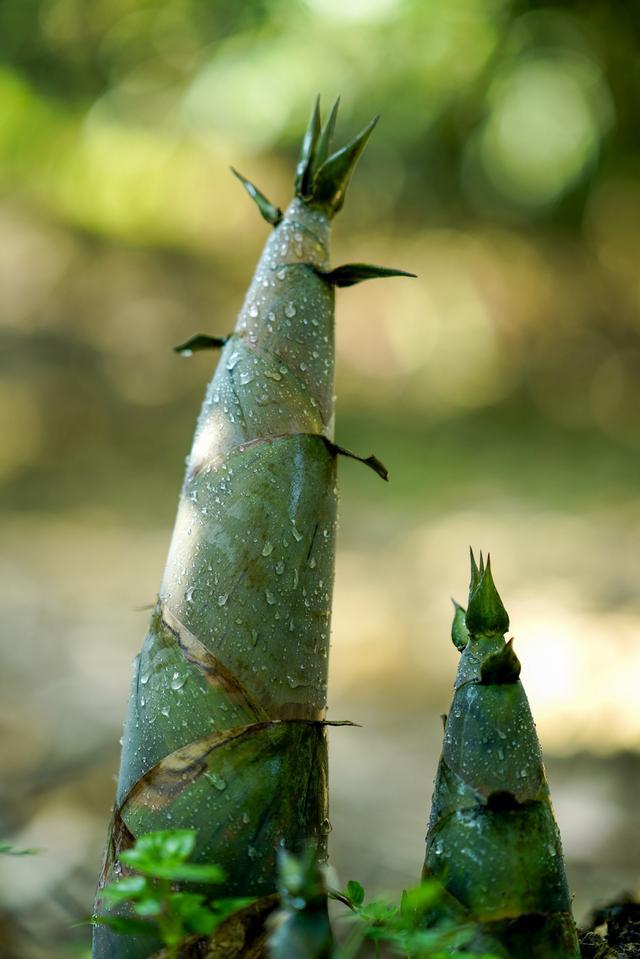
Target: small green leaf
x,y
352,273
198,342
149,906
162,854
131,887
355,892
271,213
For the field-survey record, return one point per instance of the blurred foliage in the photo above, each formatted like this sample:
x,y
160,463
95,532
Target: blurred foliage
x,y
492,108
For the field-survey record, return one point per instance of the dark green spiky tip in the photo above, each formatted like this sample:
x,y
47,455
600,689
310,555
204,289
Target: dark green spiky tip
x,y
322,178
459,631
501,668
485,611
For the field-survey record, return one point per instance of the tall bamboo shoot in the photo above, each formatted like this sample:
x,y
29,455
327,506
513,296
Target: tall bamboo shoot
x,y
225,726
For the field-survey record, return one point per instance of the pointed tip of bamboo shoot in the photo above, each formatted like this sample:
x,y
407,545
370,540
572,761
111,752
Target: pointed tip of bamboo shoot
x,y
485,612
322,179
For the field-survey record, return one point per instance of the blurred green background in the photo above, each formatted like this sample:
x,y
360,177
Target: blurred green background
x,y
501,388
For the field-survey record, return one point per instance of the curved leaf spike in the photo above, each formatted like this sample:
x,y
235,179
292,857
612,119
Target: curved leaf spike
x,y
301,928
272,214
198,342
492,838
352,273
225,729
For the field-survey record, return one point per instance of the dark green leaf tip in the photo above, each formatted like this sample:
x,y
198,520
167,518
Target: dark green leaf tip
x,y
322,178
307,152
501,668
485,611
475,574
352,273
371,461
332,179
459,631
271,213
198,342
324,140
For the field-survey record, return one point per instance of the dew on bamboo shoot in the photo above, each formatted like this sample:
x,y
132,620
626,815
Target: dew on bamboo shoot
x,y
225,731
492,838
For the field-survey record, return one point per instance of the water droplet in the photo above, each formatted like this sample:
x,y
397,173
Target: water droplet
x,y
290,309
267,549
222,599
253,310
233,359
245,817
178,681
144,678
272,375
218,781
312,562
270,598
189,594
245,378
252,852
297,535
280,567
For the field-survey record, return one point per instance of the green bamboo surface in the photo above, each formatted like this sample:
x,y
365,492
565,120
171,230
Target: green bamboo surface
x,y
225,725
492,837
